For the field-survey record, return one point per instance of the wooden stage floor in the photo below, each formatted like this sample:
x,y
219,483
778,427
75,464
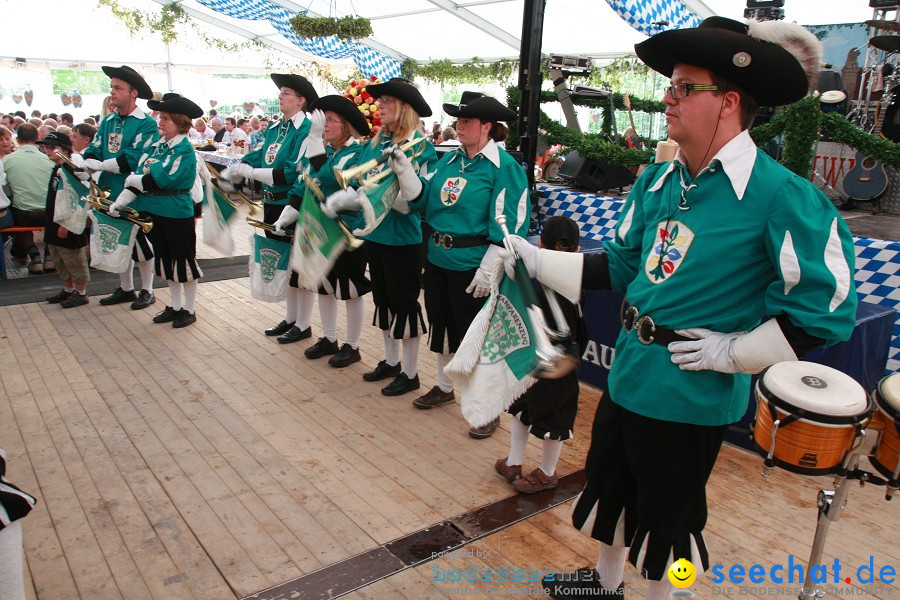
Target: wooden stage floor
x,y
211,462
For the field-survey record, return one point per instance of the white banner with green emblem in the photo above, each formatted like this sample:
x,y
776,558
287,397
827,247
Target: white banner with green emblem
x,y
111,242
217,213
318,240
495,359
377,199
269,274
70,209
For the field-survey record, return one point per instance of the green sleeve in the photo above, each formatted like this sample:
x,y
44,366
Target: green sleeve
x,y
176,172
509,197
811,248
145,137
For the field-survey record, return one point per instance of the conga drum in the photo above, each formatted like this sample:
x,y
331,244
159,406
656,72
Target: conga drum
x,y
887,418
833,101
807,416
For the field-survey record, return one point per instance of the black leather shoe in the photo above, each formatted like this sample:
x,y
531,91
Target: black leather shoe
x,y
144,299
184,319
345,357
279,329
57,298
168,315
382,371
118,297
583,583
324,347
400,385
434,397
294,334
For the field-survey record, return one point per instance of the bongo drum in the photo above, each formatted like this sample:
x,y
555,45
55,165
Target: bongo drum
x,y
807,416
833,101
887,419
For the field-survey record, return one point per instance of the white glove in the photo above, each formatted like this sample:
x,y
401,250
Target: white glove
x,y
83,175
136,181
110,165
289,216
341,200
739,352
315,144
530,255
77,160
481,283
241,171
410,184
125,198
265,176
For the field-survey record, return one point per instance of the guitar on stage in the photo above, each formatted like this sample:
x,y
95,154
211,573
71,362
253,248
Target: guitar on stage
x,y
867,181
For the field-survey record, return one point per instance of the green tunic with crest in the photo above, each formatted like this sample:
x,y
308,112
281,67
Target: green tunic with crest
x,y
280,151
168,166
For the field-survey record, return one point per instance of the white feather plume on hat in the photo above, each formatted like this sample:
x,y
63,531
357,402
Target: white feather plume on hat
x,y
797,40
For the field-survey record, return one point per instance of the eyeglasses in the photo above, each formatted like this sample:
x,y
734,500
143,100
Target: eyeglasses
x,y
285,93
331,120
683,90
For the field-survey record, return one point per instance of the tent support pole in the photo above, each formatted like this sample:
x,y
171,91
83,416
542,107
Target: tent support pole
x,y
530,83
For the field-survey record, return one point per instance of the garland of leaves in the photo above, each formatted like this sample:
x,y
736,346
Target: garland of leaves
x,y
165,25
447,72
345,28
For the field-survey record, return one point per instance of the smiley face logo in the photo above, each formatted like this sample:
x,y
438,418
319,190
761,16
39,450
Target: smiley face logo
x,y
682,573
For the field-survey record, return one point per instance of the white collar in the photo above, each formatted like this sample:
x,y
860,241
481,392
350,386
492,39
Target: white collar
x,y
737,158
298,119
490,151
137,113
174,141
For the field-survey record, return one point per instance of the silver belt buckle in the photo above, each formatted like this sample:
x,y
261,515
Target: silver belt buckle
x,y
443,239
630,318
269,196
645,320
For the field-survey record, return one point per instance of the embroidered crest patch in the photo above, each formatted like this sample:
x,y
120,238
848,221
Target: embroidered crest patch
x,y
114,142
669,249
271,152
506,334
451,190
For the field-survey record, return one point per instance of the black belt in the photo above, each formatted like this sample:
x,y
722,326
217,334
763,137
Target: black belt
x,y
162,192
272,197
647,331
450,241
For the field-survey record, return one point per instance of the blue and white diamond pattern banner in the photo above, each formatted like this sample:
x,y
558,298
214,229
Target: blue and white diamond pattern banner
x,y
643,14
369,61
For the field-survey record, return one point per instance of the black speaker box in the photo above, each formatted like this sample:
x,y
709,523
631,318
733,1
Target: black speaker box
x,y
593,175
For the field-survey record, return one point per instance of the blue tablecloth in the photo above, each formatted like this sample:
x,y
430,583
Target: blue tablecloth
x,y
223,160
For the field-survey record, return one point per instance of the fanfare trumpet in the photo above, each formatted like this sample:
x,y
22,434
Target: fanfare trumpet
x,y
268,227
254,206
96,190
552,363
346,177
128,214
312,185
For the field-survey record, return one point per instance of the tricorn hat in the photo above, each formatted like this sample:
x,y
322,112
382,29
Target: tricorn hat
x,y
466,97
346,108
484,108
55,138
176,103
132,78
402,89
298,83
775,62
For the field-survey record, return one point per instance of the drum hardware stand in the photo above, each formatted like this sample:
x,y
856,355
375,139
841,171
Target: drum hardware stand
x,y
832,502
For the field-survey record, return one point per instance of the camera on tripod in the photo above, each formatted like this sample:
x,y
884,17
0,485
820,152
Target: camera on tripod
x,y
764,10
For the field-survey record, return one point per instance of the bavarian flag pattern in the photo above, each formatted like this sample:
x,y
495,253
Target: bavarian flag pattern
x,y
70,210
269,273
111,242
495,359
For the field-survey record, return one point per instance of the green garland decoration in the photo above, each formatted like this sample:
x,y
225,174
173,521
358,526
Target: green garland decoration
x,y
448,72
345,28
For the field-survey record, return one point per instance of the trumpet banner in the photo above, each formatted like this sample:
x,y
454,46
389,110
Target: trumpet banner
x,y
377,200
318,242
495,359
217,213
70,208
111,242
269,272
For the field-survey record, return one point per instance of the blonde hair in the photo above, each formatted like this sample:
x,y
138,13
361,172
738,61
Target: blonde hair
x,y
104,107
406,123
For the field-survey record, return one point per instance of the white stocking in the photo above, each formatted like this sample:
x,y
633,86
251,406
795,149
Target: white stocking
x,y
356,312
328,309
552,450
391,349
410,357
12,578
660,590
126,278
305,302
518,441
145,268
444,381
611,565
176,289
190,295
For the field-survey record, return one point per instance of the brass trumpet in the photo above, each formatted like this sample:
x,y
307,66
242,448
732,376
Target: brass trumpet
x,y
96,190
268,227
552,363
253,206
353,242
346,177
128,214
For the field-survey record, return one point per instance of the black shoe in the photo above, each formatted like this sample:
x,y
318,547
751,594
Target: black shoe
x,y
382,371
279,329
144,299
434,397
583,583
118,297
184,319
57,298
74,300
400,385
324,347
485,431
295,334
168,315
345,357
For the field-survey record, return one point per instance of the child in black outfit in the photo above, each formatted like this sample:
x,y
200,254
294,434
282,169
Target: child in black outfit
x,y
547,410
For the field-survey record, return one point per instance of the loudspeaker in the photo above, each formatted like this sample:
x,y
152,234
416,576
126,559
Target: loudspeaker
x,y
593,175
